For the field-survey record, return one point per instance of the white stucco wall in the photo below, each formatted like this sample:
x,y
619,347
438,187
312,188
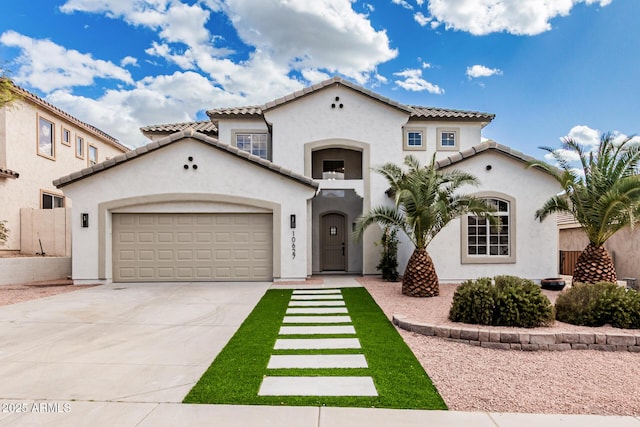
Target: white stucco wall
x,y
19,148
158,182
536,243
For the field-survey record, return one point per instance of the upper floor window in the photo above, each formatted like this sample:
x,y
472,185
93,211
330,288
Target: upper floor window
x,y
485,242
51,201
93,155
448,139
80,147
414,139
255,143
66,136
46,141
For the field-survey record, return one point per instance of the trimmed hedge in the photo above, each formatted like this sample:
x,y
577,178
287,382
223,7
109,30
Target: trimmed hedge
x,y
597,304
512,301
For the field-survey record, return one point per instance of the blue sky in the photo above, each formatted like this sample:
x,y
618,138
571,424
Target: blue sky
x,y
547,69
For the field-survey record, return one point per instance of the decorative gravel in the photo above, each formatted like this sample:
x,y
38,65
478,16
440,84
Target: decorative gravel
x,y
480,379
12,294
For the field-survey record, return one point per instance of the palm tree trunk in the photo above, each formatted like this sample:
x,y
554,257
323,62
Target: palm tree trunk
x,y
420,278
594,265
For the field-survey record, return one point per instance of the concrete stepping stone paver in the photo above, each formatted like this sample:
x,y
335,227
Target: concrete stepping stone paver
x,y
316,361
316,297
317,386
316,319
316,343
316,330
316,303
317,310
316,291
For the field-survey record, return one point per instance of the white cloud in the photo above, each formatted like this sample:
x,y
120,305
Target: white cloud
x,y
324,34
476,71
522,17
47,66
402,3
421,19
414,82
584,135
129,60
162,99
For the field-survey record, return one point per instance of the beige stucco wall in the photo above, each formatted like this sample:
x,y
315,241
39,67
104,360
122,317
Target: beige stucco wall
x,y
19,152
536,243
624,248
158,182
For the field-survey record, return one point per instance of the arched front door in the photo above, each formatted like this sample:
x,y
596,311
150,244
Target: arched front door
x,y
332,241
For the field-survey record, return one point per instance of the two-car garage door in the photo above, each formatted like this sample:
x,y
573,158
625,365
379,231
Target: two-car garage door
x,y
192,247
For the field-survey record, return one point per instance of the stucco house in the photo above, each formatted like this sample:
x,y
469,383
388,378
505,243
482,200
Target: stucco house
x,y
273,192
38,143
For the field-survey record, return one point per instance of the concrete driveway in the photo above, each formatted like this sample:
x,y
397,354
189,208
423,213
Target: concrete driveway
x,y
119,342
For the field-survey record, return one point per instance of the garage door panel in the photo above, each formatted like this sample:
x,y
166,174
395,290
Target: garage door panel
x,y
192,247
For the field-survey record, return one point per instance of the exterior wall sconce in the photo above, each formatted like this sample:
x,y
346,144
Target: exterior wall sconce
x,y
292,221
84,220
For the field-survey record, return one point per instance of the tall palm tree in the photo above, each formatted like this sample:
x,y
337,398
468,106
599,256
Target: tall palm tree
x,y
604,197
426,200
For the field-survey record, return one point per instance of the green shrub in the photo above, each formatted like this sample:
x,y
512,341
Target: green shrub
x,y
596,304
4,231
512,301
473,302
389,258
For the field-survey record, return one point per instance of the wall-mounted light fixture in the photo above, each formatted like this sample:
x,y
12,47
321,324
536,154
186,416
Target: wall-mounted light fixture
x,y
84,220
292,221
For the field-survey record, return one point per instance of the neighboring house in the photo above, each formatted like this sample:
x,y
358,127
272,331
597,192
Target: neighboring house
x,y
38,143
277,193
624,247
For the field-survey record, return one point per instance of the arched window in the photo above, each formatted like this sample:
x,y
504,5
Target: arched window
x,y
483,242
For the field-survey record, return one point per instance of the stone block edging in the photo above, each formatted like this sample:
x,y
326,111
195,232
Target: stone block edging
x,y
524,339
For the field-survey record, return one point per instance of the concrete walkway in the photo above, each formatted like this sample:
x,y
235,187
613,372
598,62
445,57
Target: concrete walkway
x,y
126,355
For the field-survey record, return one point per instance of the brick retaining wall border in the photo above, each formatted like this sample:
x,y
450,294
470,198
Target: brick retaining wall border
x,y
524,341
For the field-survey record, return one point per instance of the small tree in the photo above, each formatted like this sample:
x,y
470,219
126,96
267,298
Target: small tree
x,y
604,197
8,92
389,259
426,200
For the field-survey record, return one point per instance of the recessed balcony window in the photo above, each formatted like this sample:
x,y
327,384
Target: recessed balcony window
x,y
333,169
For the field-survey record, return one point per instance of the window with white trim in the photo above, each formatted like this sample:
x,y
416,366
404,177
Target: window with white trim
x,y
414,139
66,136
254,143
487,243
488,239
93,155
46,141
448,139
52,201
80,147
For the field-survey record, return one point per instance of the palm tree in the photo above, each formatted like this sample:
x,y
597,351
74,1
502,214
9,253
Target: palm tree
x,y
604,197
426,200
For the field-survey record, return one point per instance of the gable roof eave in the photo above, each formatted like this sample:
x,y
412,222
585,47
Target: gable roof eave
x,y
487,146
187,133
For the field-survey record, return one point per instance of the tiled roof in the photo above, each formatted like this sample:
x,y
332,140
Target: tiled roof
x,y
187,133
25,94
8,173
414,111
253,110
480,148
444,113
205,126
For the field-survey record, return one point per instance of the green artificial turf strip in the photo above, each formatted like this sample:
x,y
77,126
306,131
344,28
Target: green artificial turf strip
x,y
236,374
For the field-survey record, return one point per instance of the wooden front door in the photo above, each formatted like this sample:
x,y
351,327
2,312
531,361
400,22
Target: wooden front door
x,y
332,238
